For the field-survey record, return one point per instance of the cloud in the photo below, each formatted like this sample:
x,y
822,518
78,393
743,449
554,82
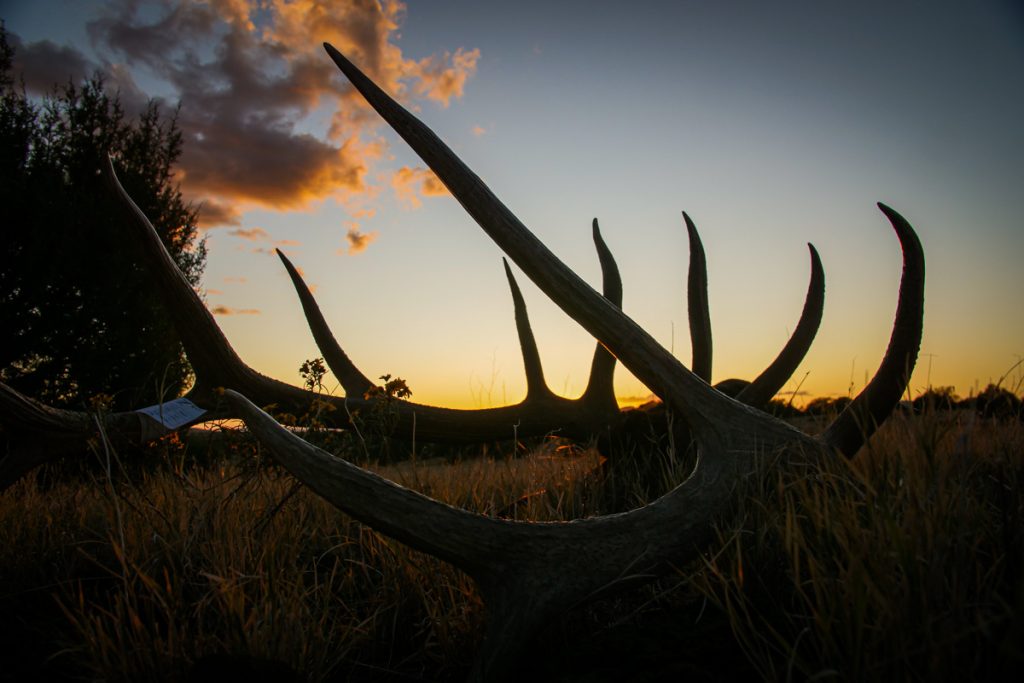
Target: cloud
x,y
214,292
213,214
252,84
254,234
358,241
441,82
44,65
407,182
224,310
261,235
479,131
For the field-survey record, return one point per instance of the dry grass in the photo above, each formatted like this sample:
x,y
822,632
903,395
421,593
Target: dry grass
x,y
905,565
152,571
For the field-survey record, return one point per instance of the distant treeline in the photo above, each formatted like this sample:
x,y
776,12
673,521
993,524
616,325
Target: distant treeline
x,y
994,401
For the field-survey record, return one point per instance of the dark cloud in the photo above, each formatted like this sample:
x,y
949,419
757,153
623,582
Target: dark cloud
x,y
44,65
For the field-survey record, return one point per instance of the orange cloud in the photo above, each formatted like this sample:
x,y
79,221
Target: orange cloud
x,y
254,234
224,310
408,182
358,241
479,131
213,214
441,79
261,235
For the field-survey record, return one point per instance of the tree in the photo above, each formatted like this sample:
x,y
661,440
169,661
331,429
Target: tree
x,y
936,398
996,402
79,320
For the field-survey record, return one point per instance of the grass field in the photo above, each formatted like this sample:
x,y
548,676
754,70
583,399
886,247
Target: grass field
x,y
183,562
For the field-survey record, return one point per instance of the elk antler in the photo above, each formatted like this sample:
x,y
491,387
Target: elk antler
x,y
528,572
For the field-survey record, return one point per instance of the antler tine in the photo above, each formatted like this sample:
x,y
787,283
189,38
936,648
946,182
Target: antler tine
x,y
775,376
876,401
209,352
697,304
354,382
600,389
536,387
214,361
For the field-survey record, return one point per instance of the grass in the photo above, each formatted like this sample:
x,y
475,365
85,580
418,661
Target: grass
x,y
903,565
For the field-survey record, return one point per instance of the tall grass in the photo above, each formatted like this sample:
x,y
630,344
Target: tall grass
x,y
905,564
154,571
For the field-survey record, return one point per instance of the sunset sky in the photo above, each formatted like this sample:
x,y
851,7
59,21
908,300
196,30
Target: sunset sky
x,y
772,124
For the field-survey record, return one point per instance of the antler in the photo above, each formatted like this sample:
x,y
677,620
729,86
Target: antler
x,y
529,572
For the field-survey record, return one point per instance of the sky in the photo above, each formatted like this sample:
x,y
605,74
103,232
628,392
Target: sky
x,y
772,124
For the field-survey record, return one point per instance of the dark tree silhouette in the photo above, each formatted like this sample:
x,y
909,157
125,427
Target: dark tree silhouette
x,y
936,398
77,315
996,402
825,405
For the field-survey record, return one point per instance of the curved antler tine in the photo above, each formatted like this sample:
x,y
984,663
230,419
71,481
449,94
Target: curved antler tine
x,y
876,401
214,361
209,352
535,384
775,376
355,383
601,385
691,398
697,304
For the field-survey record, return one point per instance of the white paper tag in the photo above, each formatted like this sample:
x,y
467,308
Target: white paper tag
x,y
174,413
